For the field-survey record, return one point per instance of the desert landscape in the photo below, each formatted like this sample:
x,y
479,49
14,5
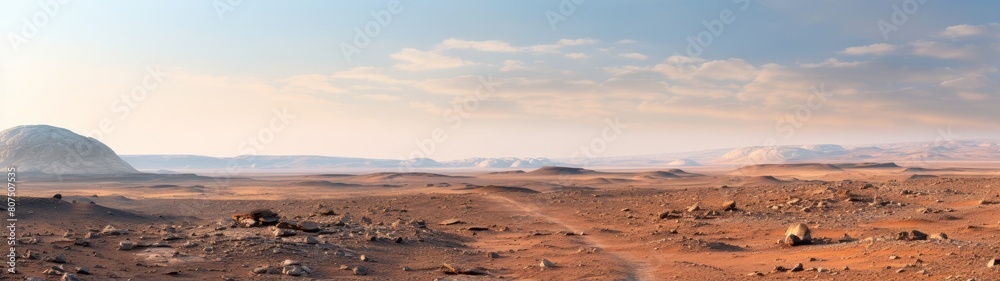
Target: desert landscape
x,y
237,140
858,221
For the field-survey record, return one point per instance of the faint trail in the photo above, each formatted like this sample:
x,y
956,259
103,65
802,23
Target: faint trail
x,y
637,269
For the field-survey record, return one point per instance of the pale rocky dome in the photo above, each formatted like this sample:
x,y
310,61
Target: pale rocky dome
x,y
57,151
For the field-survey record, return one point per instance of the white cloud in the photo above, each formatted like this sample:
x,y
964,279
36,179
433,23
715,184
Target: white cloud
x,y
417,60
873,49
577,56
634,56
576,42
514,65
627,42
483,46
831,62
963,30
944,51
497,46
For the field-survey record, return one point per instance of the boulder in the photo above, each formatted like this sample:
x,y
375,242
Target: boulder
x,y
547,264
257,218
360,270
798,234
729,205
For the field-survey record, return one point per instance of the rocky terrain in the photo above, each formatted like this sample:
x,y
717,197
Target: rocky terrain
x,y
845,222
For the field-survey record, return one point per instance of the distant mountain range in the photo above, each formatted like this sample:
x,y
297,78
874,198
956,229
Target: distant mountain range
x,y
194,162
52,150
966,150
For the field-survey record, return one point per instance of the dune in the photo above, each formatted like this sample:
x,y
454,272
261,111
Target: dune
x,y
389,176
557,170
322,184
761,180
813,167
656,175
508,172
867,165
498,189
55,209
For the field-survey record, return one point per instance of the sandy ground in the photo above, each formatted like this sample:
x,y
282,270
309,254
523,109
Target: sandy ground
x,y
623,224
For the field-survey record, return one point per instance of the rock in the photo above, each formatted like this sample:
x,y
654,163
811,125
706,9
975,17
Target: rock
x,y
111,230
326,212
92,235
312,240
893,257
126,245
171,237
281,232
307,226
938,236
365,258
81,242
912,235
57,196
360,270
450,222
794,201
798,267
261,270
694,208
669,214
69,277
257,218
290,262
83,270
547,264
778,268
56,259
493,255
798,234
993,263
294,270
846,238
729,206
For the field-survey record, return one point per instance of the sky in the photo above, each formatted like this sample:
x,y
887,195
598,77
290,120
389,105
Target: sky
x,y
523,78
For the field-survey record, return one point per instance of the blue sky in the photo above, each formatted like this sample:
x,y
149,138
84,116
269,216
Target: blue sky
x,y
780,72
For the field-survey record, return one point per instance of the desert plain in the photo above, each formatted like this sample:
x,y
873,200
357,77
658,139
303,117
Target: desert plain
x,y
868,221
